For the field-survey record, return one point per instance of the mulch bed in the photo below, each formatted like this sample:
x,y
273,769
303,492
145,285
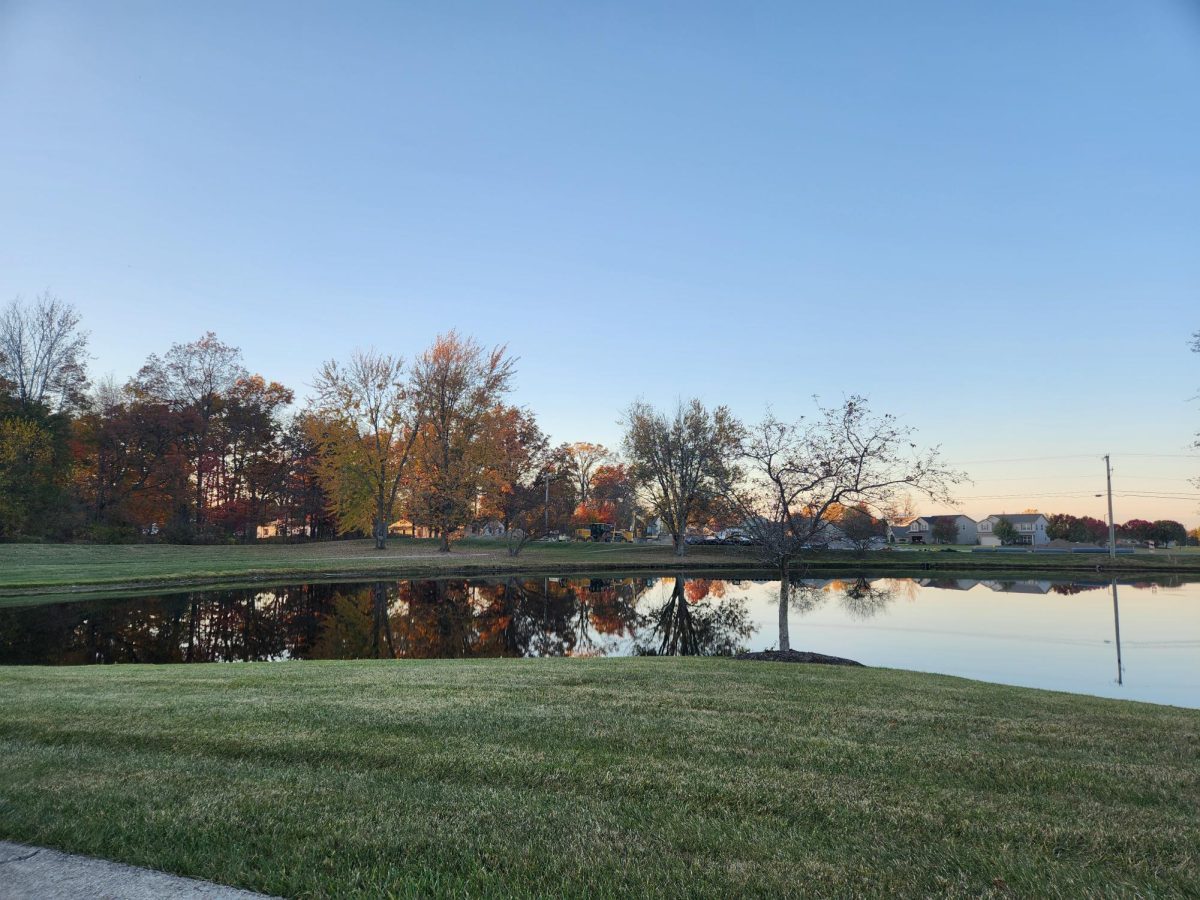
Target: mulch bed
x,y
797,656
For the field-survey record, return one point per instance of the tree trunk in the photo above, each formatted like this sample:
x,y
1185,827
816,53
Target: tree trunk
x,y
785,640
381,533
444,547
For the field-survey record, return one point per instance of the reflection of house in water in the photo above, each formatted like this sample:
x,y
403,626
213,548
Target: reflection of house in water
x,y
1020,587
948,584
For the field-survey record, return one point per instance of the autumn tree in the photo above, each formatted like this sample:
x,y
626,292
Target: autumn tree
x,y
28,475
680,461
798,473
585,458
456,385
43,352
252,473
517,451
613,484
1078,529
364,422
195,379
132,470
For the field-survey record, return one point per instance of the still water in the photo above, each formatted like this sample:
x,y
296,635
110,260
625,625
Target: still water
x,y
1140,641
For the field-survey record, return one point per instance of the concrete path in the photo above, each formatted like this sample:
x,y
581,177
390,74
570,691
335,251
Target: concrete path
x,y
31,873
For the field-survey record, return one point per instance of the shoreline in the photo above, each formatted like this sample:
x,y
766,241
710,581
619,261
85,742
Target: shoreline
x,y
63,582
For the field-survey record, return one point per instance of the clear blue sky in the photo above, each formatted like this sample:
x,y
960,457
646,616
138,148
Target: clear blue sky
x,y
985,216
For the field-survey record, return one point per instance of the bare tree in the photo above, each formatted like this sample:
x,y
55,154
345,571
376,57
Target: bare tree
x,y
586,457
798,474
680,463
365,422
457,385
43,352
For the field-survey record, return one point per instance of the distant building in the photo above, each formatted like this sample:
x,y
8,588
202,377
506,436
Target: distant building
x,y
897,532
1031,529
922,529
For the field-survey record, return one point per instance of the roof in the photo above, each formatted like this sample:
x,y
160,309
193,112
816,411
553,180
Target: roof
x,y
948,517
1018,517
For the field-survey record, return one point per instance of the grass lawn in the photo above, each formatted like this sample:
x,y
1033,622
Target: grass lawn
x,y
629,777
32,568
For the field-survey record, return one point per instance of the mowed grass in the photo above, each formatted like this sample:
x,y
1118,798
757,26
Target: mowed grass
x,y
34,568
24,566
605,778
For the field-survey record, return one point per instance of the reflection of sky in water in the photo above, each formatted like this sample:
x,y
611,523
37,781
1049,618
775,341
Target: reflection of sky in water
x,y
1047,640
1035,634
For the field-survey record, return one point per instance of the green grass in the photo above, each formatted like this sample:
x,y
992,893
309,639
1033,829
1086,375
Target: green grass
x,y
33,568
628,777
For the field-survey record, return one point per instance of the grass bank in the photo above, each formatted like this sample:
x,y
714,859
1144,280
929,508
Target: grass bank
x,y
61,568
672,777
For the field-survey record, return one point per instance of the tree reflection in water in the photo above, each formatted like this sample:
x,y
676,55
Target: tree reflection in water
x,y
687,624
383,620
864,598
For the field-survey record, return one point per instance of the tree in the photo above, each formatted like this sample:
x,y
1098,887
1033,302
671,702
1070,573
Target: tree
x,y
586,458
27,473
43,352
681,462
1165,531
797,474
131,466
364,423
945,529
516,454
1006,532
613,485
1078,529
252,471
860,527
1137,530
195,379
457,385
304,505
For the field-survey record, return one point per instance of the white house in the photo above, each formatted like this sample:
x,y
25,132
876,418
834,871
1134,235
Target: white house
x,y
1031,529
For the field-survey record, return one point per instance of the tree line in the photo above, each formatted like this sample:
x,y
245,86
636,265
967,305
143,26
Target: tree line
x,y
195,447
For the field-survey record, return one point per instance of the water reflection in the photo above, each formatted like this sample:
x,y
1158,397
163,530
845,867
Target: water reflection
x,y
697,619
416,619
1062,635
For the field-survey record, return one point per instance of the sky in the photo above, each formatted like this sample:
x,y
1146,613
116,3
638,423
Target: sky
x,y
985,217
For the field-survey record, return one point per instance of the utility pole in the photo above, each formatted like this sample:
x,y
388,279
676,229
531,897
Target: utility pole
x,y
1112,527
1117,633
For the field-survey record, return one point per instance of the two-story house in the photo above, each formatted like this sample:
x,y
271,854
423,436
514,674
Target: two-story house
x,y
950,529
1031,529
897,532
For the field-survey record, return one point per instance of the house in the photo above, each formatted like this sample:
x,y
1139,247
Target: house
x,y
924,529
897,532
406,528
1031,529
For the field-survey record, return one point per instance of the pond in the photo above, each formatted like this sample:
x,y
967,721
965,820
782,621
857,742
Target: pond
x,y
1137,641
